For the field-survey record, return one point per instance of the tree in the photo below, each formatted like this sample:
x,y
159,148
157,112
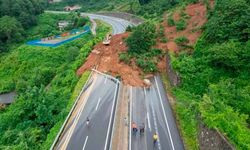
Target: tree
x,y
142,2
142,38
229,55
230,20
10,29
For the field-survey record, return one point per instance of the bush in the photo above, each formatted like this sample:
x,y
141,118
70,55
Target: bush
x,y
181,25
125,57
161,32
164,40
142,38
146,65
129,29
170,20
181,40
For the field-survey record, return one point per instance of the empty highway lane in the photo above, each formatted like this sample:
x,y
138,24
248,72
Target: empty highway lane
x,y
98,103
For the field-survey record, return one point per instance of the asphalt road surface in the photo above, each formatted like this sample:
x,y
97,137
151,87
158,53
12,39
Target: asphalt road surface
x,y
100,96
118,25
150,106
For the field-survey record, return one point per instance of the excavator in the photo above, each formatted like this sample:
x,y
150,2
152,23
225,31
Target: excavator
x,y
106,41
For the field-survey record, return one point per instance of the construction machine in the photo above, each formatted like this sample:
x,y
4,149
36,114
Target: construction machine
x,y
106,41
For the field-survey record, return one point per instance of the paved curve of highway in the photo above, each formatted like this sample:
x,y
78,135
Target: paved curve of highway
x,y
118,25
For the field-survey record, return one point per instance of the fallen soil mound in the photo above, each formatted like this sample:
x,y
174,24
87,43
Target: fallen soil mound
x,y
106,59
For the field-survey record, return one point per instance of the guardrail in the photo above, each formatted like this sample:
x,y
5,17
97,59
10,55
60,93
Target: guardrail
x,y
70,113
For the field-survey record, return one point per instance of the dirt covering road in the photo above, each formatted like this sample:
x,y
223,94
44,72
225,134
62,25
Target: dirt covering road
x,y
106,59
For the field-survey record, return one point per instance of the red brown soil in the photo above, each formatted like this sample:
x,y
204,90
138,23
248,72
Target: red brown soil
x,y
197,13
106,59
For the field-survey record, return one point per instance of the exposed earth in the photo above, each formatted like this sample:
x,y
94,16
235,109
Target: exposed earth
x,y
106,58
197,17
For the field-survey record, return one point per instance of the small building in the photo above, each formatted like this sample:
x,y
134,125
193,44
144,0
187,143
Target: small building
x,y
7,99
72,8
63,24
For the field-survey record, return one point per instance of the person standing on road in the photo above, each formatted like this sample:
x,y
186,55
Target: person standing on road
x,y
87,121
142,128
134,127
155,138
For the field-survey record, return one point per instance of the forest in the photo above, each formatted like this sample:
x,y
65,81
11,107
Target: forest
x,y
46,84
15,17
215,77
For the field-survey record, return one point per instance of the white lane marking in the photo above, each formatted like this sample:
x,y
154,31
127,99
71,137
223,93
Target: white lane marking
x,y
149,125
112,111
73,126
165,117
155,124
148,119
105,81
98,103
85,143
130,122
156,129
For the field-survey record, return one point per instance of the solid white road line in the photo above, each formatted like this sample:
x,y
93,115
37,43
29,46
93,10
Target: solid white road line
x,y
164,113
148,119
85,143
112,111
105,81
130,122
155,124
149,125
98,103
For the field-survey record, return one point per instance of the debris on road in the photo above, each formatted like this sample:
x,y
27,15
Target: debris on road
x,y
108,61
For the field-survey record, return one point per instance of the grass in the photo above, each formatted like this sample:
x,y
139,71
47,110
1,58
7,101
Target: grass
x,y
185,114
55,130
182,40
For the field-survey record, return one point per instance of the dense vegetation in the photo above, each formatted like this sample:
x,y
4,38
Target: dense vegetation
x,y
48,24
15,17
140,43
44,79
215,78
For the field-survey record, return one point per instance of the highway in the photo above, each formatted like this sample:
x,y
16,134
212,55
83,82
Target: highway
x,y
98,102
118,25
151,107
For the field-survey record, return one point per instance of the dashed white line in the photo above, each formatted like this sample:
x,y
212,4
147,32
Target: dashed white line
x,y
165,117
98,103
156,129
85,143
